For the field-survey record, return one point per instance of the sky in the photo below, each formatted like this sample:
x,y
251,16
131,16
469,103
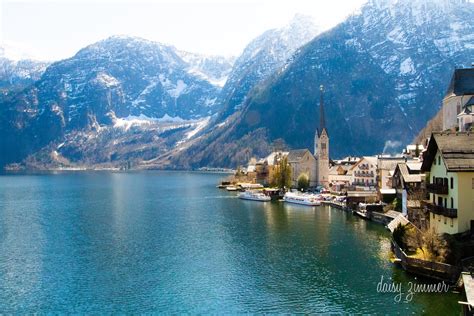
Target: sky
x,y
57,29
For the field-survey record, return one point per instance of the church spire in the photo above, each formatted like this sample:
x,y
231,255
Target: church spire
x,y
322,120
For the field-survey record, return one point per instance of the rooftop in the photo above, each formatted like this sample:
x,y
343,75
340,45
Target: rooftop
x,y
406,175
462,82
297,154
457,150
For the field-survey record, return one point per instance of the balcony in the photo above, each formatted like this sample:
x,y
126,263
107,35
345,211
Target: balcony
x,y
364,174
437,188
441,210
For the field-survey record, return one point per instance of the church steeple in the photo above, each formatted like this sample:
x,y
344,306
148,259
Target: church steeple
x,y
321,145
322,119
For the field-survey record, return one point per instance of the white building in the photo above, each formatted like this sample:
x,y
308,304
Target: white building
x,y
364,173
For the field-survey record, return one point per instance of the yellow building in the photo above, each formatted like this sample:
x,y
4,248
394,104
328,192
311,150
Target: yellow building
x,y
449,161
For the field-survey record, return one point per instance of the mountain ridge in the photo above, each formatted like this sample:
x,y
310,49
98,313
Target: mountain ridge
x,y
385,73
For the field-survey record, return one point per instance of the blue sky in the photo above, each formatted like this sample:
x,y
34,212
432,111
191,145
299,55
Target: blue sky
x,y
56,29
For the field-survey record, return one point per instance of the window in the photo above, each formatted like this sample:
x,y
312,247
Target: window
x,y
445,220
452,222
472,183
439,160
452,203
452,183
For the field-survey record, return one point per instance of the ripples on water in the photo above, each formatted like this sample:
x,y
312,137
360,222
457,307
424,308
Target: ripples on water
x,y
172,242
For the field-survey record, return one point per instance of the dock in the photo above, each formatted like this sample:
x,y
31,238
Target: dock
x,y
336,204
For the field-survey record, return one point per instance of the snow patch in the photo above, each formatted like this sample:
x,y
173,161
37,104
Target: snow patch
x,y
106,80
407,67
178,90
199,127
143,120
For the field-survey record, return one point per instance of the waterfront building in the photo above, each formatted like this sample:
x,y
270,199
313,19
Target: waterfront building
x,y
460,92
340,173
364,173
385,169
302,162
340,177
449,162
407,176
265,168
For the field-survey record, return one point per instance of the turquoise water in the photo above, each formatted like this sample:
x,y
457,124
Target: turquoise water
x,y
171,242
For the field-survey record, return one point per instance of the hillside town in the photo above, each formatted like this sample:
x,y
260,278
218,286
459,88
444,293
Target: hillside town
x,y
427,190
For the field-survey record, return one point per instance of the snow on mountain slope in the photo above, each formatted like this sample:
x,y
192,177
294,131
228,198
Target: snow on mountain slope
x,y
262,57
214,69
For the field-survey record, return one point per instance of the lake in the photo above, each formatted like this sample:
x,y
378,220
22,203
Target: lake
x,y
103,242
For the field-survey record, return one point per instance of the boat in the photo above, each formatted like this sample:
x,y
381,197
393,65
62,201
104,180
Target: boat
x,y
362,213
224,184
250,186
254,196
232,188
302,198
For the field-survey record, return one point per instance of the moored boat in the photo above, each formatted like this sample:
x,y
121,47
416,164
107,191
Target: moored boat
x,y
232,188
224,185
254,196
302,198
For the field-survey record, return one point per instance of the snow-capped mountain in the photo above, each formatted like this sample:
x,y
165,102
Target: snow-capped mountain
x,y
385,71
215,69
262,57
18,69
416,39
120,79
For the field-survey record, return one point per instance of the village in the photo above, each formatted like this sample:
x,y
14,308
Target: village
x,y
424,195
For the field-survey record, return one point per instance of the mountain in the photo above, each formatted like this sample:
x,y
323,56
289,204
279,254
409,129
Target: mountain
x,y
18,70
214,69
385,70
261,58
121,83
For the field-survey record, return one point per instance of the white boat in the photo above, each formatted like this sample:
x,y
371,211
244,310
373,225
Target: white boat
x,y
231,188
303,199
254,196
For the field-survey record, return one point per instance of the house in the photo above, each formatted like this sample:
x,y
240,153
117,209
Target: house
x,y
460,92
385,169
364,173
302,162
407,176
340,174
449,162
265,168
413,151
409,184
